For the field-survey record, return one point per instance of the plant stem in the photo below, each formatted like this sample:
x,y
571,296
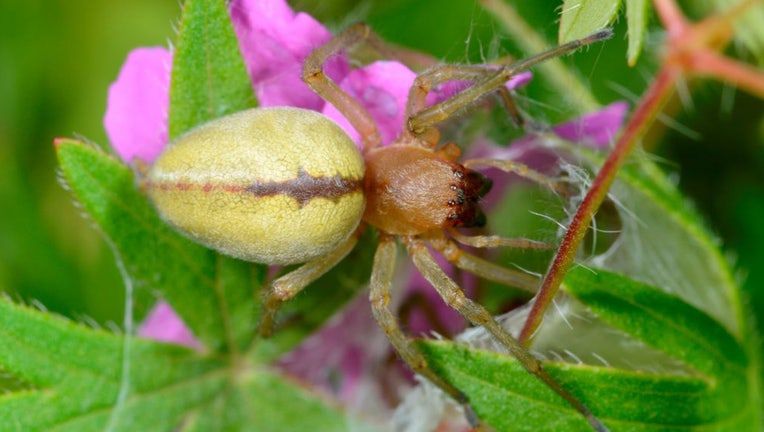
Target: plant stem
x,y
723,69
644,114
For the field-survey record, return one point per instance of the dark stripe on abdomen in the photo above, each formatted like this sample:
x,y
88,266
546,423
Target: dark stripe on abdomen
x,y
305,187
302,188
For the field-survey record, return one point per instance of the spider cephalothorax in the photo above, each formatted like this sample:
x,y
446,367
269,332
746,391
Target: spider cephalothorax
x,y
411,190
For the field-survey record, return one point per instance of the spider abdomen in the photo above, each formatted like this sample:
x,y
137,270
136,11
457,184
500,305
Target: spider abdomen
x,y
271,185
411,190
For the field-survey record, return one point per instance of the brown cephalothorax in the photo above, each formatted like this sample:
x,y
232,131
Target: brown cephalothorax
x,y
411,190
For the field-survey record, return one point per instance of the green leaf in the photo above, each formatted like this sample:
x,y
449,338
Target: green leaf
x,y
508,398
712,391
80,379
663,242
580,18
636,19
215,297
266,401
663,321
622,399
209,78
212,294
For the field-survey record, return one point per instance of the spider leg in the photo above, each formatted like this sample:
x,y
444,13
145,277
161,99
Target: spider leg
x,y
289,285
313,75
427,80
522,170
481,267
511,107
434,114
379,296
478,315
492,241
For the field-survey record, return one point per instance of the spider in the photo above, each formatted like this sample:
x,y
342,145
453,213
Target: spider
x,y
286,186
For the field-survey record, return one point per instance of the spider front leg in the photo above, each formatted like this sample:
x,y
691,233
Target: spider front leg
x,y
435,76
521,170
426,118
313,75
478,315
379,297
289,285
493,241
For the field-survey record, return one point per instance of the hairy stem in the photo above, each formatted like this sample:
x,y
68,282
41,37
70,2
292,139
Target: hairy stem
x,y
644,114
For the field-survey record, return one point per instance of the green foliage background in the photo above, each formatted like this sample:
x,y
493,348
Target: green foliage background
x,y
58,57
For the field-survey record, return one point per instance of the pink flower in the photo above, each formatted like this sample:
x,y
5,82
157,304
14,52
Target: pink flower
x,y
275,41
597,129
342,355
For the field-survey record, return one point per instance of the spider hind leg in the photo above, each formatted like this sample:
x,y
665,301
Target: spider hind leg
x,y
379,296
476,314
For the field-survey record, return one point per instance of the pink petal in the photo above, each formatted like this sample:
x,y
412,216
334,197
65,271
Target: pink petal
x,y
519,80
136,113
382,89
163,324
275,41
597,129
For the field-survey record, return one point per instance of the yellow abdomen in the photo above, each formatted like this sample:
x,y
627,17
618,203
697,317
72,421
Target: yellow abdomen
x,y
269,185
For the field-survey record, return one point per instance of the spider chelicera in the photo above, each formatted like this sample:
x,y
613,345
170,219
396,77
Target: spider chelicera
x,y
286,186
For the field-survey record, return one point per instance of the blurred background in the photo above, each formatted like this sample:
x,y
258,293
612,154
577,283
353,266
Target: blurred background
x,y
58,57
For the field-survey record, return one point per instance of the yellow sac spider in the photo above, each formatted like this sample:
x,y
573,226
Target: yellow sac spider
x,y
287,185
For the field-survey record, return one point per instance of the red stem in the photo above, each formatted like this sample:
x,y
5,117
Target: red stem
x,y
724,69
671,17
644,115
